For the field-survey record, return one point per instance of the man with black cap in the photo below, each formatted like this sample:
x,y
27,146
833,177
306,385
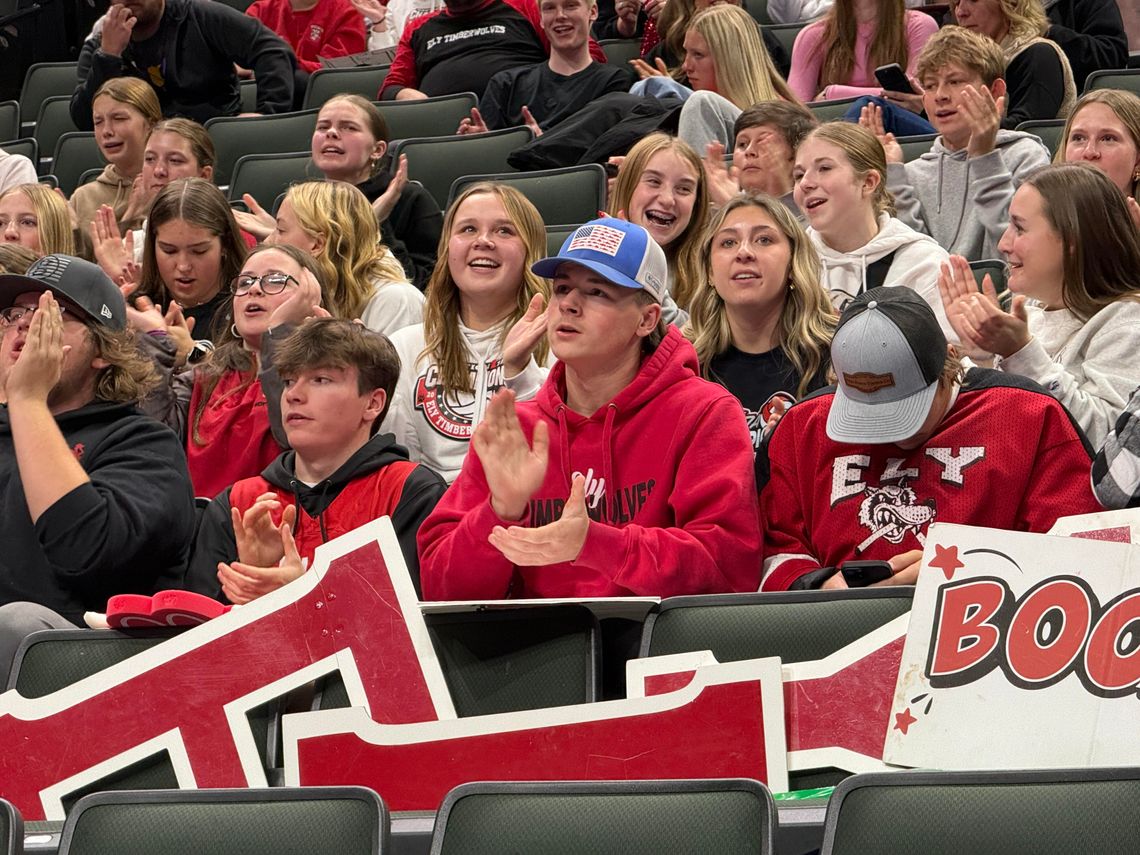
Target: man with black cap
x,y
627,475
96,496
860,470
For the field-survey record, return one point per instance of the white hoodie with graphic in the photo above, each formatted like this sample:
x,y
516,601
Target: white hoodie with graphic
x,y
435,424
916,263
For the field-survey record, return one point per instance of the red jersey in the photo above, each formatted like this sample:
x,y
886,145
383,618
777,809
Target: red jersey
x,y
331,28
1006,455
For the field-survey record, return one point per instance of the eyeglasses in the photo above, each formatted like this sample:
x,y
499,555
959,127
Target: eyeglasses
x,y
14,314
271,283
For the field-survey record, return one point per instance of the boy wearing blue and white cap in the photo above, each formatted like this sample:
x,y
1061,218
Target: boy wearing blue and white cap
x,y
860,470
627,475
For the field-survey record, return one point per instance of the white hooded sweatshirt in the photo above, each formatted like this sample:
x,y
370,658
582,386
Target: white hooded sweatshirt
x,y
916,263
435,424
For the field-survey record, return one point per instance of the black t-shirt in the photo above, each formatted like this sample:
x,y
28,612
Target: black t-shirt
x,y
760,381
550,97
458,54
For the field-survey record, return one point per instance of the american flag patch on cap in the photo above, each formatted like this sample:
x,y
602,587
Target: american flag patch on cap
x,y
598,238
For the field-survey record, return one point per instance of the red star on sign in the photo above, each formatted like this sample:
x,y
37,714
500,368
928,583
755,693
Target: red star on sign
x,y
946,560
904,720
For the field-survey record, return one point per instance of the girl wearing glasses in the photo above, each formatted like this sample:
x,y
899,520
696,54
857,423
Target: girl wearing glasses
x,y
219,406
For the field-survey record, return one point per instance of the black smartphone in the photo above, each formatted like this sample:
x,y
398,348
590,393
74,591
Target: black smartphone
x,y
860,574
893,79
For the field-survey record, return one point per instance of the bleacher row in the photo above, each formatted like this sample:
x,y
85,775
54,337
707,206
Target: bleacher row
x,y
543,656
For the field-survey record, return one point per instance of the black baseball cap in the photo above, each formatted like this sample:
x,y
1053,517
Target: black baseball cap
x,y
83,284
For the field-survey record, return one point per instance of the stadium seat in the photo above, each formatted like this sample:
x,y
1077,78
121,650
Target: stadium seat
x,y
797,626
758,9
363,80
43,80
11,829
786,34
52,122
437,162
916,146
722,816
572,194
9,120
248,90
266,176
830,111
277,821
26,146
620,51
235,136
518,659
76,153
998,272
1049,130
556,236
1127,79
87,176
430,117
1053,812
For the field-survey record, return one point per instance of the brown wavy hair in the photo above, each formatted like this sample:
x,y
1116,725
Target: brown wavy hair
x,y
840,31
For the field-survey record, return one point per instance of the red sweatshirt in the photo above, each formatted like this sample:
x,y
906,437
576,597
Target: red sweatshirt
x,y
669,489
441,53
234,429
1007,455
331,28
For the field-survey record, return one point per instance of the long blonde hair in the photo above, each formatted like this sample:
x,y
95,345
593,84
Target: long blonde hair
x,y
353,261
745,72
52,218
684,253
840,31
807,318
443,341
1027,20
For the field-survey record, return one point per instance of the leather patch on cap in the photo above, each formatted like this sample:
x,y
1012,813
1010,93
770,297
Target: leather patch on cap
x,y
866,382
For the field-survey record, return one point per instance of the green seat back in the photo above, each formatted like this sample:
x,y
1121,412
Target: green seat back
x,y
266,176
9,120
437,162
1127,79
279,821
916,146
76,153
830,111
431,117
572,194
43,80
52,122
797,626
1057,812
725,817
620,51
235,136
786,35
26,146
1049,130
363,80
556,236
518,659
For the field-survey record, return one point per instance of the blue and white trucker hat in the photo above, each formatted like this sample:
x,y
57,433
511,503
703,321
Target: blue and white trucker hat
x,y
887,353
622,252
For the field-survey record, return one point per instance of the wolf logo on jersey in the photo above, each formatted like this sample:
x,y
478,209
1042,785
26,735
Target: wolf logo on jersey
x,y
893,512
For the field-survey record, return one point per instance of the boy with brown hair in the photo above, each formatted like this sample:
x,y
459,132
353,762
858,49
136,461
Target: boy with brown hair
x,y
339,474
959,191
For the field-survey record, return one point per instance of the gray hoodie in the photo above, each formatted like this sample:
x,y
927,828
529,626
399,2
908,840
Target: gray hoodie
x,y
963,203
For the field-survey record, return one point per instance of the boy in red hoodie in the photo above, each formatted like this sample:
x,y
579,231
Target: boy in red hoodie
x,y
628,475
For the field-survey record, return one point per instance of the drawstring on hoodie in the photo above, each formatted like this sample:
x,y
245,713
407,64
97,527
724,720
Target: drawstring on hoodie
x,y
608,473
295,488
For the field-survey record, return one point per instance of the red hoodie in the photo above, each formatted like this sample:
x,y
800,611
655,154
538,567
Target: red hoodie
x,y
669,489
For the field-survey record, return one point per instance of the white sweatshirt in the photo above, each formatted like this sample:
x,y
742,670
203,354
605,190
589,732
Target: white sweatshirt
x,y
1089,367
434,424
916,263
394,305
15,169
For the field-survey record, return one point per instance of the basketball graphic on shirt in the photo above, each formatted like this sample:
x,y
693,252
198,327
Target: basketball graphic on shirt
x,y
450,413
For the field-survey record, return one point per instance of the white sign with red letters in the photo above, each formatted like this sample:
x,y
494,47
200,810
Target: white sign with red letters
x,y
1023,651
